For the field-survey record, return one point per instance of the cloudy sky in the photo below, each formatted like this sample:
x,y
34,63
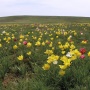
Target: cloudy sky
x,y
45,7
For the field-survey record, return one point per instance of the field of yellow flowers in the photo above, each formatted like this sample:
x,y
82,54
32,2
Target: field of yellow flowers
x,y
45,56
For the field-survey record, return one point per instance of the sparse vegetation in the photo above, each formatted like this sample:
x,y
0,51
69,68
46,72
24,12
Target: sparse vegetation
x,y
44,19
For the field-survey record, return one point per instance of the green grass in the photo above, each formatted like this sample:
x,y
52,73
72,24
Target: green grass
x,y
44,19
28,73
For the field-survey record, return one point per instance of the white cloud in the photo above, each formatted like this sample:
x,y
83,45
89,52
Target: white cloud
x,y
45,7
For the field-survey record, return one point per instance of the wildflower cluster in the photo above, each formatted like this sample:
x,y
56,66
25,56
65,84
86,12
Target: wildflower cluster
x,y
55,45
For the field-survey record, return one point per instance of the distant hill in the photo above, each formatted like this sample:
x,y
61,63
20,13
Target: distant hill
x,y
44,19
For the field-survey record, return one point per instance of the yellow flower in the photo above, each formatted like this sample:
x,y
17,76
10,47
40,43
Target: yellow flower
x,y
21,36
77,52
66,46
61,46
0,45
28,32
89,53
53,48
34,38
38,43
61,72
67,62
13,37
28,53
39,39
20,57
8,38
65,33
7,41
52,58
63,58
21,40
15,47
46,41
75,34
19,43
29,44
59,43
63,52
68,38
46,66
84,42
26,39
49,52
4,38
51,38
50,45
56,36
58,33
7,34
63,67
43,43
72,46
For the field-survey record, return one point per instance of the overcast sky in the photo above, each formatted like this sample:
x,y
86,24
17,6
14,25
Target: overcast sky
x,y
45,7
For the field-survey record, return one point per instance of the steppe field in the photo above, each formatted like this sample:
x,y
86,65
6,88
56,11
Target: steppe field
x,y
44,53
